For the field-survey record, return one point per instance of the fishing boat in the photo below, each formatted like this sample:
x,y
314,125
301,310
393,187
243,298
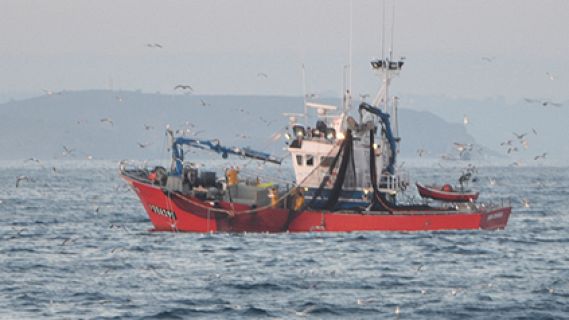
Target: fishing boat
x,y
346,179
446,193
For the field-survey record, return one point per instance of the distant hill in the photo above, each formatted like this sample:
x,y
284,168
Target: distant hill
x,y
130,125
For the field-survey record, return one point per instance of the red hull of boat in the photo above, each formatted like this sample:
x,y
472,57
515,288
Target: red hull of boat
x,y
175,213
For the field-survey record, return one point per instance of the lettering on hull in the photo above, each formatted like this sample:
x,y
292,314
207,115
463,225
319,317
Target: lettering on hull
x,y
163,212
494,216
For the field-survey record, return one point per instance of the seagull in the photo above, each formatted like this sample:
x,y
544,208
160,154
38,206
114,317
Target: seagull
x,y
506,143
311,95
488,59
204,104
154,45
421,152
243,110
466,120
108,120
525,143
262,74
528,100
547,103
22,178
541,156
534,131
512,149
33,159
462,147
267,122
184,87
242,136
544,103
551,76
148,127
492,181
519,136
525,202
143,145
67,151
516,163
119,98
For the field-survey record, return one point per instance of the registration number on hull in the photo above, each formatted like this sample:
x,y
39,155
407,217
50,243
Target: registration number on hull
x,y
163,212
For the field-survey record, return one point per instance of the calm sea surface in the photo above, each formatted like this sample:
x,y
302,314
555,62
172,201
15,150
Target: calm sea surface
x,y
76,243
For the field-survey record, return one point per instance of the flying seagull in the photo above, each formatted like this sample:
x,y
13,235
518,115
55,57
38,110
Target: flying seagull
x,y
262,74
519,136
541,156
67,151
108,120
488,59
204,104
421,152
20,179
551,76
148,127
143,145
184,87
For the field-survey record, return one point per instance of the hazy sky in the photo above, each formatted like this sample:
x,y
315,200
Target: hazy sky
x,y
221,46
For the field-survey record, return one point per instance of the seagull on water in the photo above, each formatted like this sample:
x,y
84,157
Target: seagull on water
x,y
525,202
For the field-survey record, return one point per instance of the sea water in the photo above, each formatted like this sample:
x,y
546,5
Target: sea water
x,y
75,242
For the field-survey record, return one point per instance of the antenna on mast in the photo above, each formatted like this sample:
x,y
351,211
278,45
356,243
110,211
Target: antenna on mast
x,y
350,44
348,68
304,95
383,31
392,31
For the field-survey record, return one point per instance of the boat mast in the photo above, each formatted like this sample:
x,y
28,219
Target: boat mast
x,y
347,85
304,96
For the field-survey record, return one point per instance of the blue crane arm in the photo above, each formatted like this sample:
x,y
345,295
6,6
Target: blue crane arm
x,y
388,132
215,146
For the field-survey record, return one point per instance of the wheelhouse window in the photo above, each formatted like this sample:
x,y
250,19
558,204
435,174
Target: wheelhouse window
x,y
299,159
309,160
